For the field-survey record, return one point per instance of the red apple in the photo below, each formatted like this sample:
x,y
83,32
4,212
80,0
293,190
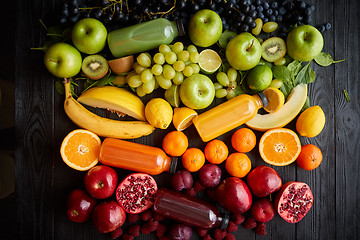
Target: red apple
x,y
79,205
108,216
234,195
263,181
101,181
263,210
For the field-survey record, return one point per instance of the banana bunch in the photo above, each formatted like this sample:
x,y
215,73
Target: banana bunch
x,y
101,126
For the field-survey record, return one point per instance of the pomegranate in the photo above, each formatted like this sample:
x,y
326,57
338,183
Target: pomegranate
x,y
234,195
294,201
136,193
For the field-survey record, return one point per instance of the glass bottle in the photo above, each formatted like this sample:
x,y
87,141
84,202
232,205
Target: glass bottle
x,y
136,157
228,115
188,210
144,36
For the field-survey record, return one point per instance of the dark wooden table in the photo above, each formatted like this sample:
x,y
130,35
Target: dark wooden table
x,y
43,181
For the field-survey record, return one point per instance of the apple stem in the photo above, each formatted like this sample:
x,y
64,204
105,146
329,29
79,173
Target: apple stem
x,y
252,43
306,34
49,59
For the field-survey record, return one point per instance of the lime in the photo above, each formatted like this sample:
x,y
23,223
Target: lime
x,y
172,95
259,78
209,61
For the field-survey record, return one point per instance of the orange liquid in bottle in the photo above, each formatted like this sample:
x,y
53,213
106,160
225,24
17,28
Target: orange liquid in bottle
x,y
136,157
227,116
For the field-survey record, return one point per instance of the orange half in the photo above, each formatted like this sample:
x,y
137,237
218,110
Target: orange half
x,y
279,146
80,149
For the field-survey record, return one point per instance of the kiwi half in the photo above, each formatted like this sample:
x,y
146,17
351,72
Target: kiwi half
x,y
273,48
95,66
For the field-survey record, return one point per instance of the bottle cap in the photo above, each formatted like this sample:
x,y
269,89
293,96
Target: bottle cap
x,y
263,99
173,165
180,27
225,221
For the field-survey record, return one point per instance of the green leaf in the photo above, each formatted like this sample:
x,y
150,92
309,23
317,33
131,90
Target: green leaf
x,y
306,75
306,104
286,88
282,73
225,37
59,86
294,67
324,59
105,81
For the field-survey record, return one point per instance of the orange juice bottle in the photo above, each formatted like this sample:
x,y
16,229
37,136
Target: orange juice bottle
x,y
136,157
228,115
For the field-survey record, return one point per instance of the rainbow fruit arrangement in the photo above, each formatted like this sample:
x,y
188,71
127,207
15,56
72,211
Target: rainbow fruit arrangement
x,y
261,57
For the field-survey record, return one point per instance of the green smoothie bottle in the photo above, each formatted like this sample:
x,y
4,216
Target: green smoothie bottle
x,y
144,36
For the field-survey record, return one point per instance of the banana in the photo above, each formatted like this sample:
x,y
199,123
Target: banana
x,y
101,126
114,99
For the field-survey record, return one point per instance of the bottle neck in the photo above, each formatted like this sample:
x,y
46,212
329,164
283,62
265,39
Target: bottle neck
x,y
260,100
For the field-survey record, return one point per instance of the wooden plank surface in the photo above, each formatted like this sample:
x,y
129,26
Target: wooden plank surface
x,y
43,181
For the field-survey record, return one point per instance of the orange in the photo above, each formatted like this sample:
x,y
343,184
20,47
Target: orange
x,y
193,159
216,151
279,146
175,143
80,149
310,157
238,164
243,140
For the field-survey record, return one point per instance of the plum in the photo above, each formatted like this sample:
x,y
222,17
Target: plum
x,y
182,179
210,175
263,210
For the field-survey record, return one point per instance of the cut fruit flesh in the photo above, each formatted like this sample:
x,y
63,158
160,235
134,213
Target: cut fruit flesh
x,y
274,48
286,114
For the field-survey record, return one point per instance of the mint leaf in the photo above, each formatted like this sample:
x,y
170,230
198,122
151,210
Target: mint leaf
x,y
286,88
306,104
59,86
282,73
294,67
324,59
306,75
105,81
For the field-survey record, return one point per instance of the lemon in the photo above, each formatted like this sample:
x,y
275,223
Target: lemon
x,y
209,61
159,113
276,99
311,122
259,78
183,117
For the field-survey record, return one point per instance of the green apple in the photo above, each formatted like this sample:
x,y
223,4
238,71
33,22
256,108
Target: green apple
x,y
89,35
205,28
304,43
243,52
197,91
63,60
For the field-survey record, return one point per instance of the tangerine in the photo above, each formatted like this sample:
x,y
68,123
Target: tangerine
x,y
193,159
175,143
238,164
243,140
216,151
279,146
80,149
310,157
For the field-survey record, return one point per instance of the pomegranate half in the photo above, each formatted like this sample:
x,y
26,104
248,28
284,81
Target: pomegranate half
x,y
294,201
136,193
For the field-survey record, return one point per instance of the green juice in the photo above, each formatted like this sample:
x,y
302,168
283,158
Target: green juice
x,y
144,36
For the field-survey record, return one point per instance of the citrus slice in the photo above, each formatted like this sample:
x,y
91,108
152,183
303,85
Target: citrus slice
x,y
183,117
276,99
80,149
209,61
172,95
279,146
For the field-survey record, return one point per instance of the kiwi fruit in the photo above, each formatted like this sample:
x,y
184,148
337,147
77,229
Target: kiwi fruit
x,y
95,66
273,48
